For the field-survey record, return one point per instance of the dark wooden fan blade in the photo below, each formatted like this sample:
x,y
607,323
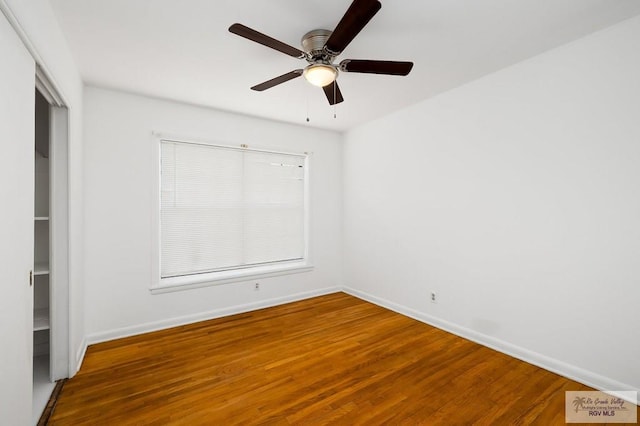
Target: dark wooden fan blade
x,y
376,67
354,20
332,91
278,80
265,40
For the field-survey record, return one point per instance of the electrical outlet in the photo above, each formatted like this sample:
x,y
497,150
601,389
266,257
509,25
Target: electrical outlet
x,y
257,287
434,299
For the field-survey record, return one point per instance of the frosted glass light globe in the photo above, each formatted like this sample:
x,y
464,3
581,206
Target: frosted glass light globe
x,y
320,74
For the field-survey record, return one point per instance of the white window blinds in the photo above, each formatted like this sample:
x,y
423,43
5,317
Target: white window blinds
x,y
224,208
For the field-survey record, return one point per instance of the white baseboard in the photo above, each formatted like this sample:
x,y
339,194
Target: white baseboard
x,y
203,316
561,368
80,353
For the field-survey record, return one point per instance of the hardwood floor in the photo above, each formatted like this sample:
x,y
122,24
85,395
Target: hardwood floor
x,y
329,360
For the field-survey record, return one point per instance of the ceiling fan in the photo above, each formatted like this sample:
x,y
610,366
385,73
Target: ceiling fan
x,y
321,47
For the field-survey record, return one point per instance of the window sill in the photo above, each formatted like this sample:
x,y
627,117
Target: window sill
x,y
168,285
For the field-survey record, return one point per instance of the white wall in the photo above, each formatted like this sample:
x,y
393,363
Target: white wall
x,y
118,182
45,39
515,198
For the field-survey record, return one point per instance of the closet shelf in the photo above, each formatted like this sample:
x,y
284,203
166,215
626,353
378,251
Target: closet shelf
x,y
40,319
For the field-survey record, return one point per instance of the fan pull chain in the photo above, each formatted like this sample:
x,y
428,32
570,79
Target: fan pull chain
x,y
307,106
334,99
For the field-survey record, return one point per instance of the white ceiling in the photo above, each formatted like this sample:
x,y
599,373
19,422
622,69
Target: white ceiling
x,y
182,50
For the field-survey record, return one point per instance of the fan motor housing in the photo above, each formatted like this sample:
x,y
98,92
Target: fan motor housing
x,y
313,43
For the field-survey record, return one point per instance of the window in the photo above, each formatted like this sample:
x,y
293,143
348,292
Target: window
x,y
228,213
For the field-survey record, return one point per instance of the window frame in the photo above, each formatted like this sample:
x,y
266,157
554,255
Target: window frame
x,y
248,273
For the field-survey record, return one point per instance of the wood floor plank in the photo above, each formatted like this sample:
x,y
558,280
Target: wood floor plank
x,y
334,359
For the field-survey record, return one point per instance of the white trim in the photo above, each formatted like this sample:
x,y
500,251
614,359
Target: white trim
x,y
231,147
172,137
42,72
307,209
204,316
80,353
553,365
59,241
154,221
187,282
47,89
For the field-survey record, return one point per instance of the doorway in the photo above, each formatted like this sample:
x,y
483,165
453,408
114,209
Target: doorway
x,y
51,253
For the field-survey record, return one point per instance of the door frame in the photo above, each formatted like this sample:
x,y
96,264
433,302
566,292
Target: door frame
x,y
59,342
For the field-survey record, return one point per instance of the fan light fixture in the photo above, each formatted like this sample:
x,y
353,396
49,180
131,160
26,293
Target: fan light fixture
x,y
320,74
320,49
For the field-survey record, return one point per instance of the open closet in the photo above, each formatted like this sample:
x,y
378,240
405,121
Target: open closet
x,y
50,279
42,382
34,225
